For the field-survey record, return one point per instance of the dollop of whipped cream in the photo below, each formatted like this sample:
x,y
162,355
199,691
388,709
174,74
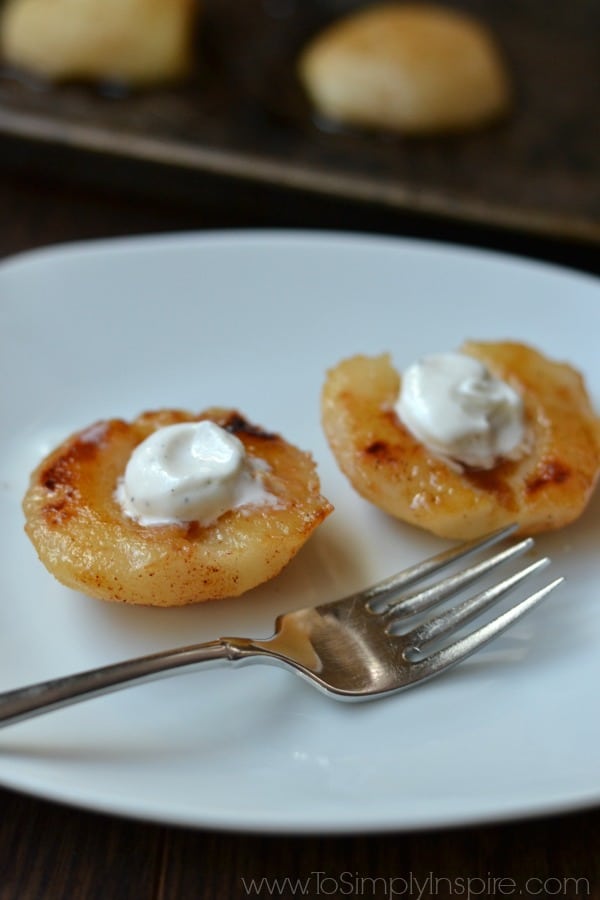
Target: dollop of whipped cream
x,y
190,472
454,405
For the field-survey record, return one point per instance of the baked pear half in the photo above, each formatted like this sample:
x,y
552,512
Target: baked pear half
x,y
546,487
135,43
84,537
413,68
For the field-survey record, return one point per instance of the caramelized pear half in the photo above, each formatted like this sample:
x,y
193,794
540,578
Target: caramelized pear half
x,y
547,487
85,539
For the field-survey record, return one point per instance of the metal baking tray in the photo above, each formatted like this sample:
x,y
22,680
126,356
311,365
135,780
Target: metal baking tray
x,y
242,115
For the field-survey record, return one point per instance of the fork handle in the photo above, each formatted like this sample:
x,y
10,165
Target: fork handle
x,y
23,703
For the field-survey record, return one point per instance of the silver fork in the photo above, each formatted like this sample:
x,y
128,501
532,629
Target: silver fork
x,y
357,648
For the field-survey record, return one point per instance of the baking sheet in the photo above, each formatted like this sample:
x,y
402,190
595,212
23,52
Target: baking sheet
x,y
243,116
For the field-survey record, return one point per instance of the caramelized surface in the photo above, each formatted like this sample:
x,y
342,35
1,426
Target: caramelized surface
x,y
546,488
84,539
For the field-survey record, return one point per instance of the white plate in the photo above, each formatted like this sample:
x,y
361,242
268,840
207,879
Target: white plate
x,y
253,320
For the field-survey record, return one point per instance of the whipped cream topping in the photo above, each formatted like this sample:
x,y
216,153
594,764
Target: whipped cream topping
x,y
454,405
190,472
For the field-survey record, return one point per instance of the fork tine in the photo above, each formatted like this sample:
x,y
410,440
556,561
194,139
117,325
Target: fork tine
x,y
421,601
376,595
448,621
458,651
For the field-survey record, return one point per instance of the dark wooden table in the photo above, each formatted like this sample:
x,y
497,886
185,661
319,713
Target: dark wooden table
x,y
48,851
